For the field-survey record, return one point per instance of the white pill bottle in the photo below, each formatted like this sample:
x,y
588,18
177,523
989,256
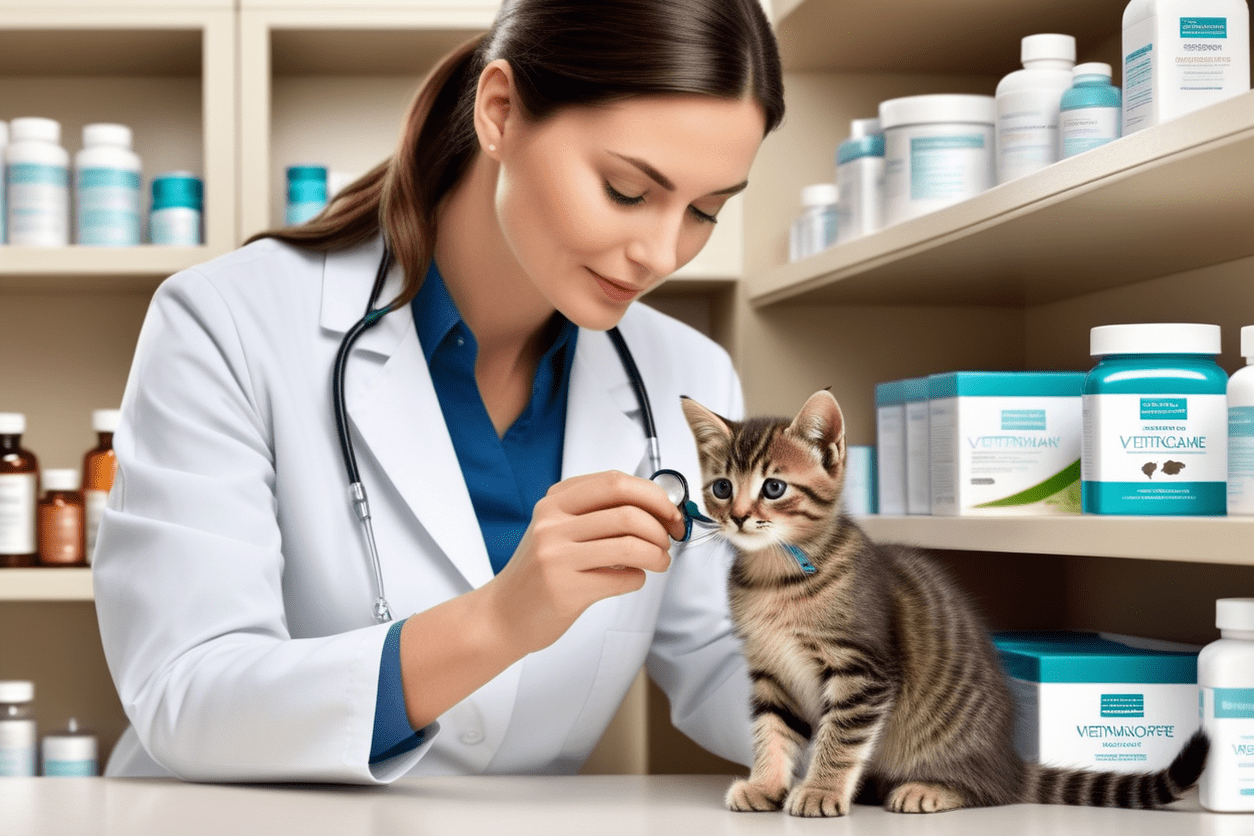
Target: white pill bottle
x,y
38,173
1028,106
1241,431
107,188
1225,677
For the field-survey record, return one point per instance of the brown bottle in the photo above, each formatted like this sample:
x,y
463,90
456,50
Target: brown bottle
x,y
19,491
99,467
61,520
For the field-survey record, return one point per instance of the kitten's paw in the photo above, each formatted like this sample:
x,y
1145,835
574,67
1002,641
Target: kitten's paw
x,y
816,802
919,797
748,797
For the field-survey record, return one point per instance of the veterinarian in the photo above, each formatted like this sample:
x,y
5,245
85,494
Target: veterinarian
x,y
520,566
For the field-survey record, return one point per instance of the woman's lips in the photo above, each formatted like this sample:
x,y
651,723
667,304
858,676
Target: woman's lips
x,y
614,291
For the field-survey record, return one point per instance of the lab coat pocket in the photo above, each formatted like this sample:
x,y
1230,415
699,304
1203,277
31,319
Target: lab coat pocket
x,y
622,655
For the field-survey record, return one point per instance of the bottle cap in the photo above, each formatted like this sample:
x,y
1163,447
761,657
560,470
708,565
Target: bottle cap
x,y
942,107
819,194
35,128
859,128
16,691
306,172
12,423
1247,341
61,479
177,189
1234,614
105,420
1047,47
1154,338
1096,68
107,133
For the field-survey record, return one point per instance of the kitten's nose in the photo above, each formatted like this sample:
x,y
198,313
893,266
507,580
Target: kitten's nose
x,y
740,522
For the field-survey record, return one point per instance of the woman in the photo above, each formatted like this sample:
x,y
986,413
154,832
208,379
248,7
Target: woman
x,y
549,173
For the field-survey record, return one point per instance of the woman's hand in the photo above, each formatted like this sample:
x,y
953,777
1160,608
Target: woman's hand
x,y
591,537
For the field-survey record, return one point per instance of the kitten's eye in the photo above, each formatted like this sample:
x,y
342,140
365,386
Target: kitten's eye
x,y
774,488
722,489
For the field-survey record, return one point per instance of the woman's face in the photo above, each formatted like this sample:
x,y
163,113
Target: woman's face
x,y
599,204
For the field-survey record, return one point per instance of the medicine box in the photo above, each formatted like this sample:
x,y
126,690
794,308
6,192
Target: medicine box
x,y
859,490
918,446
1005,442
890,447
1098,700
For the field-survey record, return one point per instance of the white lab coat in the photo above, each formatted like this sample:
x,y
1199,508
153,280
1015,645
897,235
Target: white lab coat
x,y
232,583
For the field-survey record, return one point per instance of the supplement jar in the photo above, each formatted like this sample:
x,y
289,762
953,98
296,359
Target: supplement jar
x,y
1225,676
107,188
1155,436
938,151
815,229
38,173
18,741
1091,111
860,179
177,210
306,192
1241,431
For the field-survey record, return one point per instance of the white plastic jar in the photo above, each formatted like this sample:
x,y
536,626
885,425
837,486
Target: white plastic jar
x,y
107,188
37,169
860,178
1225,676
1027,106
938,151
815,229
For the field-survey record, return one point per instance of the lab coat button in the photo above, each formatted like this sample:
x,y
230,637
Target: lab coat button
x,y
472,737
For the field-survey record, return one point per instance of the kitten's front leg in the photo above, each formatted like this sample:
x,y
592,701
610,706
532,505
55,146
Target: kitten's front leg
x,y
857,711
779,737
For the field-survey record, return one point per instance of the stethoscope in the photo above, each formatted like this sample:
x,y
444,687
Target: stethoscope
x,y
672,481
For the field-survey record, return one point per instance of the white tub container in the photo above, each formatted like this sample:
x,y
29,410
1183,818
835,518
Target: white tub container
x,y
938,151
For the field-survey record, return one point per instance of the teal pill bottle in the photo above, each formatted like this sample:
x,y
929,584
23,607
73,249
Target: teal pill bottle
x,y
1155,433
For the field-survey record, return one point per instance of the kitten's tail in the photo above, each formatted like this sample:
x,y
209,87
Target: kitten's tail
x,y
1143,790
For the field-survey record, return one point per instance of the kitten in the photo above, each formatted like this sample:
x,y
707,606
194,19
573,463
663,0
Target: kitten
x,y
871,656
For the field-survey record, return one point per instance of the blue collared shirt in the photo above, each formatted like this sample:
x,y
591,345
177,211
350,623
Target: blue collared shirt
x,y
506,475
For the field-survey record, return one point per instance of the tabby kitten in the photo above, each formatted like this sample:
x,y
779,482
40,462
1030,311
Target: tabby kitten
x,y
868,654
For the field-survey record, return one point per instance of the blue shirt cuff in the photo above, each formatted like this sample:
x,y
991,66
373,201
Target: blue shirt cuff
x,y
393,735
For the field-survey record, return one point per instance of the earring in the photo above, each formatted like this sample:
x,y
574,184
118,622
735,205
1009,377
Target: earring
x,y
491,147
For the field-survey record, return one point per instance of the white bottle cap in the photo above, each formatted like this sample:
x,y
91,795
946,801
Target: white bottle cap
x,y
61,479
36,128
820,194
105,420
1048,47
942,107
4,133
1093,68
1154,338
1247,341
12,423
107,133
1234,614
16,691
859,128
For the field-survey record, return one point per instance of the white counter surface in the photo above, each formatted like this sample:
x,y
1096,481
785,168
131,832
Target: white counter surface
x,y
660,805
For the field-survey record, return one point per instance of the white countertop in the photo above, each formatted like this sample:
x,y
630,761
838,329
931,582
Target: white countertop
x,y
609,805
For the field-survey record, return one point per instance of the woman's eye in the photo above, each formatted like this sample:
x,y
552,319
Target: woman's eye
x,y
722,489
703,217
622,199
774,488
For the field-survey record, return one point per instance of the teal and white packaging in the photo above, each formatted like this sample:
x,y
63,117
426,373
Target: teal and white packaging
x,y
107,188
1100,701
1225,677
859,490
306,192
918,446
1091,112
890,447
69,754
1241,431
38,175
1181,55
1155,422
860,179
177,210
938,151
1005,443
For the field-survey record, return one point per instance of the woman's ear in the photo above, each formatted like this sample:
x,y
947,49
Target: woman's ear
x,y
494,105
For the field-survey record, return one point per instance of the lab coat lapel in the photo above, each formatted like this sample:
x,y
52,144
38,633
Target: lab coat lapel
x,y
392,404
603,428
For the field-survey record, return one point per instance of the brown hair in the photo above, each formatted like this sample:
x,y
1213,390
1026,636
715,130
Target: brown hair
x,y
563,53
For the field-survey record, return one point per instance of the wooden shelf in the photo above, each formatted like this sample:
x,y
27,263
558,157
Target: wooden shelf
x,y
46,584
77,269
1225,540
1172,198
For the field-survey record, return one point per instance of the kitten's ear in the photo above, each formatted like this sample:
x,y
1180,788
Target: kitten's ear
x,y
821,422
706,426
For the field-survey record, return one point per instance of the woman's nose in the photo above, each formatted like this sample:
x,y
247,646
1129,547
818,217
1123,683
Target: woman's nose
x,y
656,246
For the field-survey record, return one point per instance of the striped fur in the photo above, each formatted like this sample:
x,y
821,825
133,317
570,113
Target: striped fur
x,y
876,666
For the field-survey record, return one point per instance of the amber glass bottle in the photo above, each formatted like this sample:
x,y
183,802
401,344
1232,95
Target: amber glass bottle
x,y
99,467
19,492
61,519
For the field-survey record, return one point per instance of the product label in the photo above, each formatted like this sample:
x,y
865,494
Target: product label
x,y
1160,454
1005,455
1241,460
1086,128
17,513
918,459
38,197
69,769
946,167
1138,76
175,227
890,458
108,207
861,183
1027,132
1228,780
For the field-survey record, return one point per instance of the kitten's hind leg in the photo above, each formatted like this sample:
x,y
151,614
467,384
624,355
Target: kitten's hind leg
x,y
923,797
